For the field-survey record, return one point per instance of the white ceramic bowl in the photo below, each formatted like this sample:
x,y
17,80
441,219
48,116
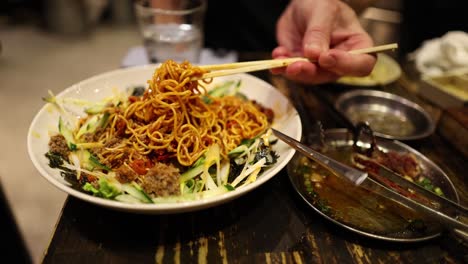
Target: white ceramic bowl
x,y
98,87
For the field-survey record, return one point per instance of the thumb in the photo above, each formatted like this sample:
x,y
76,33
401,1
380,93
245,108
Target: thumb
x,y
319,28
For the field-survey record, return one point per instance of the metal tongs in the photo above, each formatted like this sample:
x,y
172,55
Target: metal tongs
x,y
439,208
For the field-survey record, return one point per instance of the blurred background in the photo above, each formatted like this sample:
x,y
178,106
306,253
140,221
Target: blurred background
x,y
52,44
46,45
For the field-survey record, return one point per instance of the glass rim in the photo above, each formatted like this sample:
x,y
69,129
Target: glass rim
x,y
150,10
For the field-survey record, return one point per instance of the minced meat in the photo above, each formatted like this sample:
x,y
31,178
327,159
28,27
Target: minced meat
x,y
58,145
112,143
125,174
265,110
87,178
161,180
405,164
94,136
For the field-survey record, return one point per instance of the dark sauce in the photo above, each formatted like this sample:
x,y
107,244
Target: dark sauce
x,y
356,207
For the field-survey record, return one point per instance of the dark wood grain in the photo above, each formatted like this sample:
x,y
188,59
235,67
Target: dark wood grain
x,y
271,224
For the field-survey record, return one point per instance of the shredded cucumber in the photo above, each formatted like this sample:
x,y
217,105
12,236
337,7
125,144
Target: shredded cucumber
x,y
137,192
67,133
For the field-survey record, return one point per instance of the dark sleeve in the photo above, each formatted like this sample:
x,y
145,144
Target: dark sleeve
x,y
244,25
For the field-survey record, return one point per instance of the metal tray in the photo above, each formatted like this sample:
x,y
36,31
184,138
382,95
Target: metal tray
x,y
361,211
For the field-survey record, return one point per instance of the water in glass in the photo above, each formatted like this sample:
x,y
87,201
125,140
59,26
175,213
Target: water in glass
x,y
177,42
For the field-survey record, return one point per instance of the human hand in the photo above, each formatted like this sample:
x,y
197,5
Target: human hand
x,y
322,31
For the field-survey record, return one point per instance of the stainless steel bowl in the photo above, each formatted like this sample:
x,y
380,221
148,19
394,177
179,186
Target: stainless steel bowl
x,y
389,115
359,210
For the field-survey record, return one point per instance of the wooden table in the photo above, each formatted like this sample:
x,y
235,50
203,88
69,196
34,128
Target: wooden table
x,y
271,224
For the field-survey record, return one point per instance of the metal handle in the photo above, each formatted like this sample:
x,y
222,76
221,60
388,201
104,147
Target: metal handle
x,y
443,218
341,169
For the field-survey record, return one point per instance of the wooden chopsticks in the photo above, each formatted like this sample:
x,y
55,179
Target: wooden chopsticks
x,y
375,49
216,70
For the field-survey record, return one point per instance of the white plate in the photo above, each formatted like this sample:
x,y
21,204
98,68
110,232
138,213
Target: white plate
x,y
98,87
386,71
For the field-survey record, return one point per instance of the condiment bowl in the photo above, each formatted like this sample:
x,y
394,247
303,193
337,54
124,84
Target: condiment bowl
x,y
390,116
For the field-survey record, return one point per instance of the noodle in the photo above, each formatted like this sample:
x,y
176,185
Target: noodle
x,y
171,120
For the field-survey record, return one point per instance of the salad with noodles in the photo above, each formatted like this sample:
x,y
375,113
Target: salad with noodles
x,y
173,140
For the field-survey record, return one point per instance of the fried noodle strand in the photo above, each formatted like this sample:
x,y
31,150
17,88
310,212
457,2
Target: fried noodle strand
x,y
172,120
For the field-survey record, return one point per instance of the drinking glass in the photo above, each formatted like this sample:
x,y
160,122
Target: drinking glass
x,y
172,29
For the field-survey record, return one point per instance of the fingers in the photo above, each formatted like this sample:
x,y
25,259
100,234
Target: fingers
x,y
331,65
309,73
343,63
329,29
281,52
287,32
319,29
306,72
